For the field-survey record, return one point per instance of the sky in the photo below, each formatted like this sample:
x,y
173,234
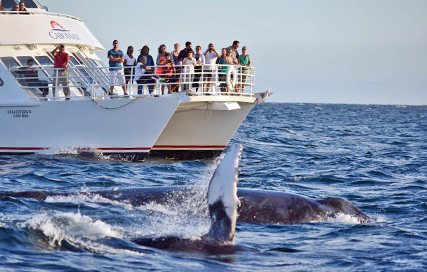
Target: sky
x,y
305,51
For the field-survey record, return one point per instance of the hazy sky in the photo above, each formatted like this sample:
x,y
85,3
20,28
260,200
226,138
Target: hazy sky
x,y
326,51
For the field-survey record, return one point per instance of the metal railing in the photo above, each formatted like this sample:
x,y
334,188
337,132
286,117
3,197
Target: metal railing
x,y
38,11
104,82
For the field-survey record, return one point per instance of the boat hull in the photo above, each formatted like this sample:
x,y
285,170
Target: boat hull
x,y
116,126
202,127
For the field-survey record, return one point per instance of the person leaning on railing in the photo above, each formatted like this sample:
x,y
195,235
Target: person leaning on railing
x,y
22,6
149,68
139,72
141,76
200,62
188,69
222,76
15,8
229,60
245,63
32,78
175,54
170,75
161,61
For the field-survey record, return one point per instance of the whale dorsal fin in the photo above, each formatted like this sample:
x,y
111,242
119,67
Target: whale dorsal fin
x,y
222,197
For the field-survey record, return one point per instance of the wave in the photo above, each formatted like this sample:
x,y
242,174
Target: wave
x,y
67,225
77,232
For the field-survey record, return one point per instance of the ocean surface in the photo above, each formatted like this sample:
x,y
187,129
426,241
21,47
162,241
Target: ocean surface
x,y
375,156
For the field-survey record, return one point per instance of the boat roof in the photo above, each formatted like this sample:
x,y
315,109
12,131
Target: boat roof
x,y
38,26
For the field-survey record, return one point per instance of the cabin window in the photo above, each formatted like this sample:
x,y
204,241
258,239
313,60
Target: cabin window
x,y
30,4
74,61
99,63
9,62
8,3
44,61
23,60
92,62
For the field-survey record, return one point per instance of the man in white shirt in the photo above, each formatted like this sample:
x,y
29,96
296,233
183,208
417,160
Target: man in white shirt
x,y
211,56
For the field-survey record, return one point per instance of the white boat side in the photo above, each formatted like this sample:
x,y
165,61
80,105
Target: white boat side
x,y
187,124
34,123
203,126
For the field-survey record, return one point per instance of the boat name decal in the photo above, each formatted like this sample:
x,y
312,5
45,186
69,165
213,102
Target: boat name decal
x,y
19,113
60,33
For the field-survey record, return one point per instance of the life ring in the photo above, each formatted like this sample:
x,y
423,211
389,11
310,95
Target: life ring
x,y
231,80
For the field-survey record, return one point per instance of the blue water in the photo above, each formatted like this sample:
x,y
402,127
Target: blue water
x,y
375,156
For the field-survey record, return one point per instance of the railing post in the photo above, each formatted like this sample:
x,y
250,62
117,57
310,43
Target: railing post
x,y
55,93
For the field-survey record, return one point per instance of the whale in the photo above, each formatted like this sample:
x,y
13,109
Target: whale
x,y
227,206
256,206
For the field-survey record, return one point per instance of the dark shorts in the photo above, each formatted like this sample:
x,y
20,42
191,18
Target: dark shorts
x,y
172,79
208,76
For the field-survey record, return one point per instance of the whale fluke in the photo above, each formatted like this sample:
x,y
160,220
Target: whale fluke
x,y
222,197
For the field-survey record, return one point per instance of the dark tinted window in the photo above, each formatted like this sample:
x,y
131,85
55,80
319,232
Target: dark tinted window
x,y
10,62
99,63
8,3
44,61
92,62
30,4
74,61
23,60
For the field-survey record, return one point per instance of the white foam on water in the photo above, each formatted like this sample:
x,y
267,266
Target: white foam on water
x,y
379,219
60,226
75,150
6,220
180,216
72,150
85,198
291,131
157,208
340,218
345,219
78,230
187,218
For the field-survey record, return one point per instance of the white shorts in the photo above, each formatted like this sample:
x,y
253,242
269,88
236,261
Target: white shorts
x,y
117,74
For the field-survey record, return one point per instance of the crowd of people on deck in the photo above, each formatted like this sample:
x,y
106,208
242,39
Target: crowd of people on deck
x,y
177,66
20,8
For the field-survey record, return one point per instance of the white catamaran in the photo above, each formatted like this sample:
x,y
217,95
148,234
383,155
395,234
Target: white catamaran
x,y
36,116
